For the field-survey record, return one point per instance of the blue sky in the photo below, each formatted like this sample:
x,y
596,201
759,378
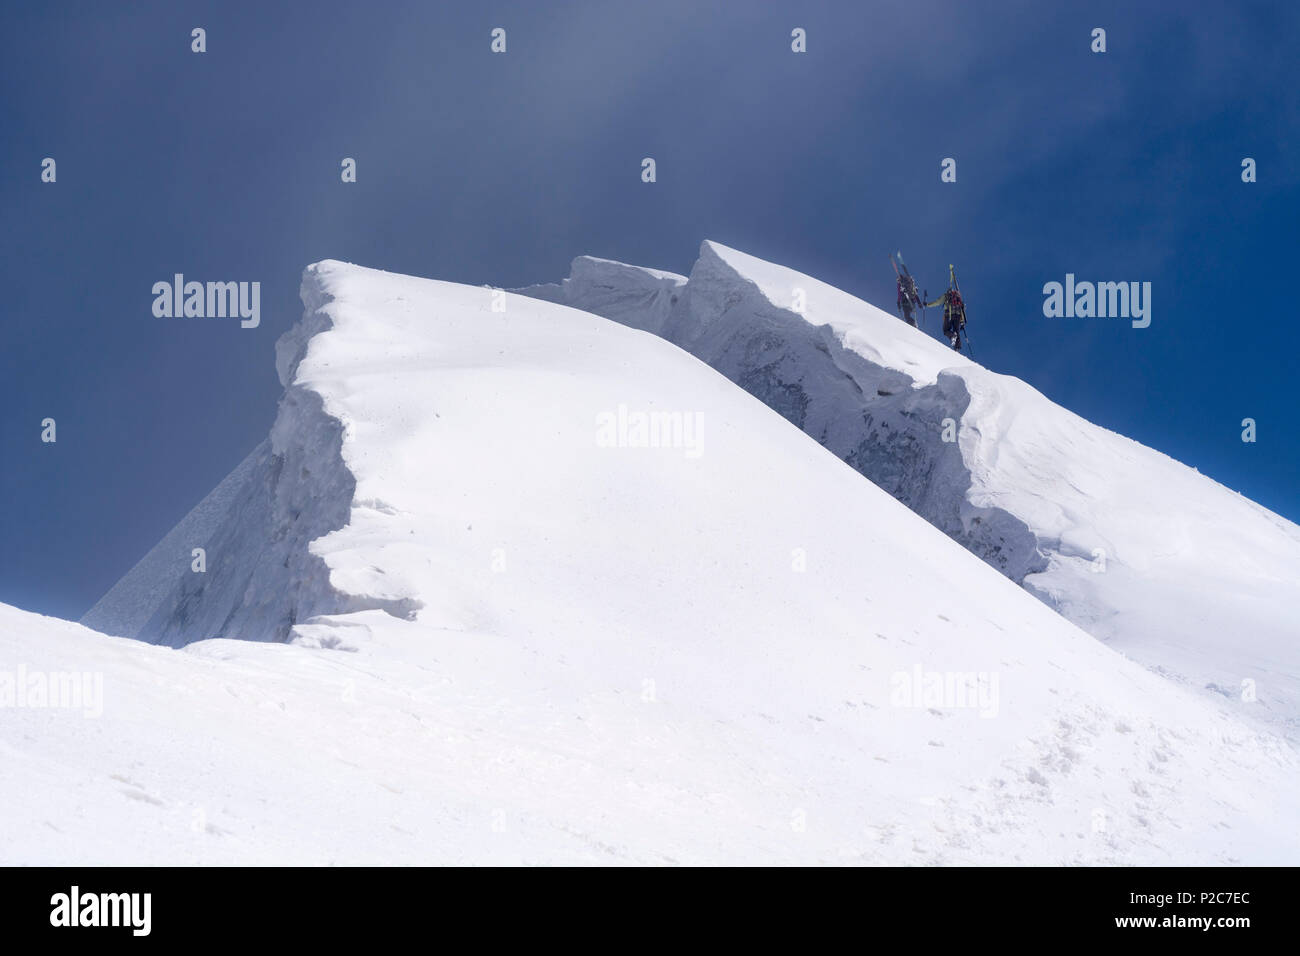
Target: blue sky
x,y
499,169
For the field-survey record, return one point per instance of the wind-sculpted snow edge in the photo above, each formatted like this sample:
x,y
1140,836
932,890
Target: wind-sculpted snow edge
x,y
886,424
319,595
259,576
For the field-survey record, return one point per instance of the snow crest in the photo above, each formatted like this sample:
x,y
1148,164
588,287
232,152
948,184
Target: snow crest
x,y
875,417
1136,548
262,577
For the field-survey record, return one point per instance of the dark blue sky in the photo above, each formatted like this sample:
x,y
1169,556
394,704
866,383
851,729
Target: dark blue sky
x,y
499,169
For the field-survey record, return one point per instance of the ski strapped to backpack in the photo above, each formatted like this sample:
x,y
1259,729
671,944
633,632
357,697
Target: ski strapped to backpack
x,y
909,284
960,303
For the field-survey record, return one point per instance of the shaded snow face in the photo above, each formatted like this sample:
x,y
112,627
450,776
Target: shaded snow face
x,y
260,577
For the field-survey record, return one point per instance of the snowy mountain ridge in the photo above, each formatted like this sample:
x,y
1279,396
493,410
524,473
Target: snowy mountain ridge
x,y
1146,554
510,642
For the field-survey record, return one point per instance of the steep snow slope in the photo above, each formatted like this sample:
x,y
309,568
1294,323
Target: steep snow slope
x,y
1152,557
728,648
130,604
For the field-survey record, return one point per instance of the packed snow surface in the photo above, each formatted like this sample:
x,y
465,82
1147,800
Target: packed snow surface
x,y
526,621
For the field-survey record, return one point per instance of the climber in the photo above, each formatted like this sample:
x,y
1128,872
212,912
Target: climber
x,y
954,311
909,299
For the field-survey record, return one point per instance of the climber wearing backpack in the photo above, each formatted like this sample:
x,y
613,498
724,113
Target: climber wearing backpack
x,y
954,311
909,299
